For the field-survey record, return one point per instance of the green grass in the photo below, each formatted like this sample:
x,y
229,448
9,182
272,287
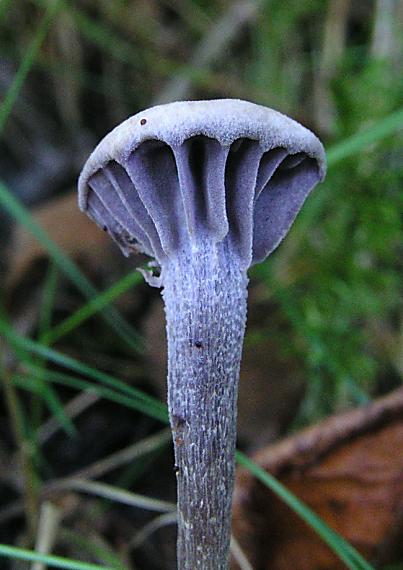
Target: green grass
x,y
336,277
152,407
145,403
16,209
51,561
28,60
94,306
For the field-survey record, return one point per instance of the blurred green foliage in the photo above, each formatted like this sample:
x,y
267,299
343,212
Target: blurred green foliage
x,y
70,70
344,305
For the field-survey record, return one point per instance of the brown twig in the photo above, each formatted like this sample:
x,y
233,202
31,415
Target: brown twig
x,y
309,445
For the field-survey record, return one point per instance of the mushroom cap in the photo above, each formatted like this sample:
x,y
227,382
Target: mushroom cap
x,y
172,176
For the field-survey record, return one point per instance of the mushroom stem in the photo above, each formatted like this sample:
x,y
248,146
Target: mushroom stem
x,y
205,294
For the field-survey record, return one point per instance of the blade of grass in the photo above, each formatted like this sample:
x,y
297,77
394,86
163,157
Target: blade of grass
x,y
48,301
342,548
362,140
54,404
128,454
239,555
46,392
146,403
28,61
114,45
344,551
48,527
4,5
112,494
334,541
86,79
95,546
73,409
49,560
93,306
158,522
101,36
16,209
29,383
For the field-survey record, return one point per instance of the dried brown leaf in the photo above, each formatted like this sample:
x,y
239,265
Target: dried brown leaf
x,y
349,470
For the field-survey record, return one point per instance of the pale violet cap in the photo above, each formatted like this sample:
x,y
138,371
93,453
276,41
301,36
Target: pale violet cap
x,y
177,174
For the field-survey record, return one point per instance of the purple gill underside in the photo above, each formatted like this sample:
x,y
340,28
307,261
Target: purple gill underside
x,y
165,199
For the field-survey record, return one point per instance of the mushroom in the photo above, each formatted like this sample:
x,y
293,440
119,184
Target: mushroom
x,y
207,189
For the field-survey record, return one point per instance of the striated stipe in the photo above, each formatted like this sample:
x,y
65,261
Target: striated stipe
x,y
205,304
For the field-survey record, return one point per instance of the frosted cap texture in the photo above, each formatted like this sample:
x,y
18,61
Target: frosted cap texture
x,y
176,175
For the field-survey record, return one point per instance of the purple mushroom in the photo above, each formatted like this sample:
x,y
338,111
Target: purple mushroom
x,y
207,189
